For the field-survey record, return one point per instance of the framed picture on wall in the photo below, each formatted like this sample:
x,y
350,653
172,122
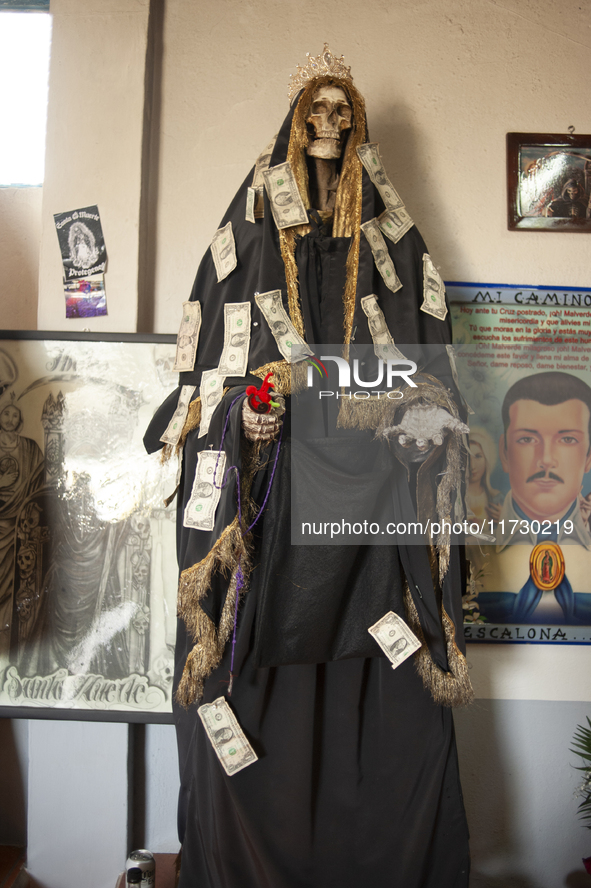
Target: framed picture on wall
x,y
523,361
88,570
549,182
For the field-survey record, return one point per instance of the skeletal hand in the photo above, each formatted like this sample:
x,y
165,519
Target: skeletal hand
x,y
262,426
422,429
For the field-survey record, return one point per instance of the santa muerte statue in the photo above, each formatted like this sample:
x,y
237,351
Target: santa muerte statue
x,y
315,750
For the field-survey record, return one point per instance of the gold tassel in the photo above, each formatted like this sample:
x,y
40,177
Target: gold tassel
x,y
350,294
207,653
287,242
202,659
452,688
195,581
192,421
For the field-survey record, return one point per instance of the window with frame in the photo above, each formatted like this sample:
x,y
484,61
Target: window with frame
x,y
25,41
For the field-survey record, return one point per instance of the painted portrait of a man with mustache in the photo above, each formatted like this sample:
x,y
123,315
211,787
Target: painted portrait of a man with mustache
x,y
539,570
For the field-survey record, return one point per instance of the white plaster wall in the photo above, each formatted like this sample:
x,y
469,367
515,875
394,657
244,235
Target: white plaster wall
x,y
162,786
77,803
519,779
94,148
530,671
20,235
444,81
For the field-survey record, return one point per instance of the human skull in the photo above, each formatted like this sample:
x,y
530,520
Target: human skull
x,y
26,559
141,619
31,517
140,564
141,525
572,190
328,120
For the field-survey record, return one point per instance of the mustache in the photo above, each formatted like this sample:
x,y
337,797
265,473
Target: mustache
x,y
544,474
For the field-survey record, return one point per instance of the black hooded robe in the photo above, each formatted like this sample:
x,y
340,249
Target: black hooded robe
x,y
357,779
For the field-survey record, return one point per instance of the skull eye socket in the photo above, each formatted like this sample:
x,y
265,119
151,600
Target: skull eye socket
x,y
319,107
345,112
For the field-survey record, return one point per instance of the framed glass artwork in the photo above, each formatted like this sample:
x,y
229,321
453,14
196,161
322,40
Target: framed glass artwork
x,y
549,182
88,570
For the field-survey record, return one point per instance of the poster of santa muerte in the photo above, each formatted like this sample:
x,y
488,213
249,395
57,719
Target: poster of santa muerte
x,y
87,557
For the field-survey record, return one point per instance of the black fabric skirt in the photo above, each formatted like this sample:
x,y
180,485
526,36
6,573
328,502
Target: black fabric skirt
x,y
356,784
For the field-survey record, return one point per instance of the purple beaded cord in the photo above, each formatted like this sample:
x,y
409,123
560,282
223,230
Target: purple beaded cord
x,y
239,574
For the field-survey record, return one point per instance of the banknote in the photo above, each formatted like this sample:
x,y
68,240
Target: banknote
x,y
383,340
226,736
262,164
175,426
369,155
211,392
205,495
381,257
188,337
250,201
395,223
433,290
234,358
286,201
394,637
223,250
289,342
258,183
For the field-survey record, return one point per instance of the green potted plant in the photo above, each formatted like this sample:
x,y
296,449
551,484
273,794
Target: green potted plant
x,y
582,748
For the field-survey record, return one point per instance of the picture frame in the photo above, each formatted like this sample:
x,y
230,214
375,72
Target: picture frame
x,y
88,571
549,182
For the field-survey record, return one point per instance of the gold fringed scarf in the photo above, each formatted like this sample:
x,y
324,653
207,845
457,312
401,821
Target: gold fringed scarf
x,y
210,640
232,549
347,212
452,688
281,371
430,392
192,421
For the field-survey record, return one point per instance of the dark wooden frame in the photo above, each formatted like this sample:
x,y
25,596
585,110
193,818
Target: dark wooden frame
x,y
546,144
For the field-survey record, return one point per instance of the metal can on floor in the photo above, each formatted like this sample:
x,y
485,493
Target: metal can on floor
x,y
144,860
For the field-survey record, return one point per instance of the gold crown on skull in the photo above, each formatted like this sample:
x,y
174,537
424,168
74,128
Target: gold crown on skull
x,y
319,66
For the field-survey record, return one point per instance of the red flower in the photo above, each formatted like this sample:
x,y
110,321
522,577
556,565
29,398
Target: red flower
x,y
260,398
